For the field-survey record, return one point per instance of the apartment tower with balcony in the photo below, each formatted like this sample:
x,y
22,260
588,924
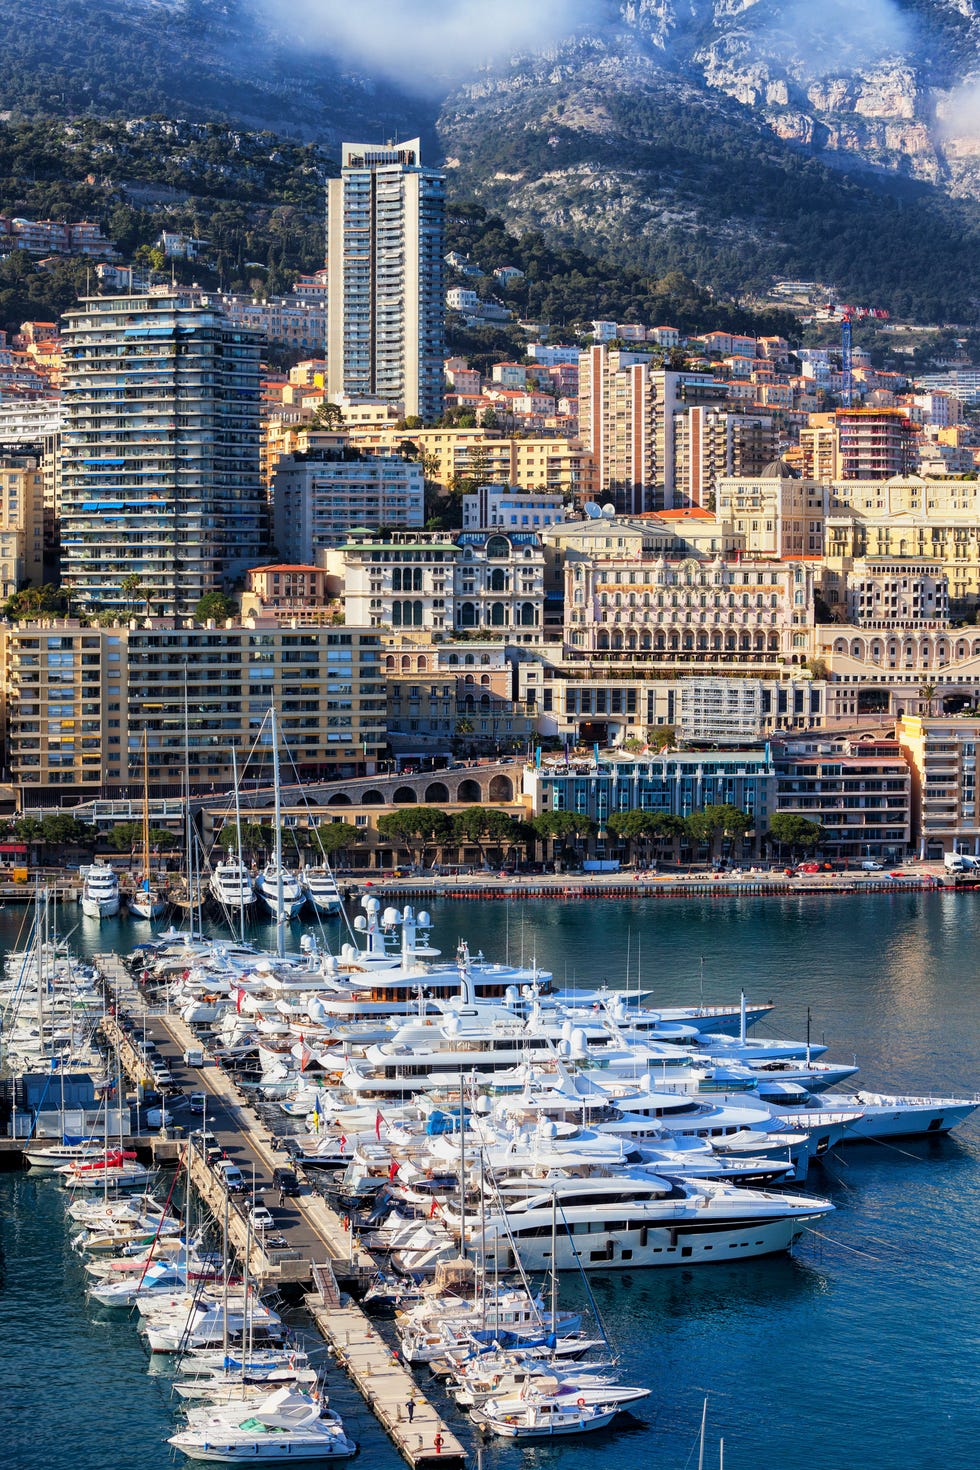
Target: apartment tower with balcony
x,y
161,498
385,286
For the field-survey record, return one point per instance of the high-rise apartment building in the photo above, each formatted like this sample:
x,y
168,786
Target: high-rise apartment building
x,y
859,444
386,306
628,415
160,452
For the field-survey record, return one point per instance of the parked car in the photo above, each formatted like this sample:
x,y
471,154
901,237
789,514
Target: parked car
x,y
262,1219
230,1175
285,1181
870,866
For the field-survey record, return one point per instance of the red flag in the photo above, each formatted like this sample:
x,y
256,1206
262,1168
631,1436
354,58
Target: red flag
x,y
343,1142
377,1125
238,1002
392,1170
433,1207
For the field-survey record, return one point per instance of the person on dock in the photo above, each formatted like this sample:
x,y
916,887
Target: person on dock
x,y
410,1409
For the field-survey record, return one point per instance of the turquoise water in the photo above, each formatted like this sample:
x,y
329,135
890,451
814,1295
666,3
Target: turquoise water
x,y
861,1351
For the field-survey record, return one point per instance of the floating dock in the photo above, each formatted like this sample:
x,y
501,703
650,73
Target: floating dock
x,y
386,1385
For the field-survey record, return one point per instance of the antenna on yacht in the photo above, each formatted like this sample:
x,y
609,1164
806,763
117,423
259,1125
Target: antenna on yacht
x,y
808,1036
702,982
704,1421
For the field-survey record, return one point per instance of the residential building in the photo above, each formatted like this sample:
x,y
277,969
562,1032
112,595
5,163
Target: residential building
x,y
712,443
942,753
160,452
446,698
478,583
47,236
280,591
627,414
399,582
859,444
537,462
499,585
385,268
79,699
908,518
512,509
859,791
777,513
319,496
21,522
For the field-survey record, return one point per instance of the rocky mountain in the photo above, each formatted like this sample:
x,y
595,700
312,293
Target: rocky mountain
x,y
732,139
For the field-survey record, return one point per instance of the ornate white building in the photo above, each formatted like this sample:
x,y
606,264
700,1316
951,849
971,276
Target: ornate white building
x,y
690,608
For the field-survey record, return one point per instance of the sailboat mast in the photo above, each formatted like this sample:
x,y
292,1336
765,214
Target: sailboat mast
x,y
277,797
146,814
188,830
238,844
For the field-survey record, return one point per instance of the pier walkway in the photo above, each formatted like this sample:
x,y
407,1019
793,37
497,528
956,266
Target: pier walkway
x,y
386,1385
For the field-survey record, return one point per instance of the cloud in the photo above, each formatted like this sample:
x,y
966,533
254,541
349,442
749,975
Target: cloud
x,y
821,38
958,114
423,44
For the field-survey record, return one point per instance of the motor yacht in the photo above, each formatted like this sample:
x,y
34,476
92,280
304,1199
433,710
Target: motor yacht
x,y
100,892
230,885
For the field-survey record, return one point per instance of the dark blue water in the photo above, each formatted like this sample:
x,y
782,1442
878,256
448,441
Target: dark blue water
x,y
861,1351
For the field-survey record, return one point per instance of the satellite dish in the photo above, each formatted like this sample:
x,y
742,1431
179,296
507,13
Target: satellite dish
x,y
592,510
608,510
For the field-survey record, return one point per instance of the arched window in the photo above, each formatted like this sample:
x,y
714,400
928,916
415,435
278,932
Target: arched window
x,y
498,615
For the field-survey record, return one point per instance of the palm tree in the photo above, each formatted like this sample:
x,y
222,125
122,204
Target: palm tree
x,y
928,692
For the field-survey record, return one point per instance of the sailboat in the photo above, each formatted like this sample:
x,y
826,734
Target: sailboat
x,y
276,885
146,901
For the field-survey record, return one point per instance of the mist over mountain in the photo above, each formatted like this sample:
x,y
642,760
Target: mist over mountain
x,y
735,139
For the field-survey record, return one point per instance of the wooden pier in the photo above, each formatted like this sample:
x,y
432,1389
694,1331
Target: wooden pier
x,y
386,1385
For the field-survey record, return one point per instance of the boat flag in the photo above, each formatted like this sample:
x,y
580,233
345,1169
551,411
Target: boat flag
x,y
392,1170
433,1207
343,1142
377,1125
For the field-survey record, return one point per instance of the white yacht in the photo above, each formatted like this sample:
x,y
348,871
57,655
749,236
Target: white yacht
x,y
231,885
267,886
321,890
286,1426
534,1413
626,1221
100,892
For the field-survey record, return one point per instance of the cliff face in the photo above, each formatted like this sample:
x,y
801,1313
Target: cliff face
x,y
891,83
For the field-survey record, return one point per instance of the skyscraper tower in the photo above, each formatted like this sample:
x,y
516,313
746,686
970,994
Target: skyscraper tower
x,y
386,299
160,453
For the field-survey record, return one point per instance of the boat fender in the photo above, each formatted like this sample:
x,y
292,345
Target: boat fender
x,y
581,1403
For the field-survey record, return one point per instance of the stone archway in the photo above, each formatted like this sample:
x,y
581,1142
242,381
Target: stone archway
x,y
501,789
372,798
339,798
404,796
437,793
469,790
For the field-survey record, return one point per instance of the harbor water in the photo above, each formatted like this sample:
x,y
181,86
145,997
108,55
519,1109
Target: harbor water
x,y
859,1351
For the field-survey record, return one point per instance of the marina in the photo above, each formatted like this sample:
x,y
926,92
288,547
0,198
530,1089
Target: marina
x,y
316,1251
